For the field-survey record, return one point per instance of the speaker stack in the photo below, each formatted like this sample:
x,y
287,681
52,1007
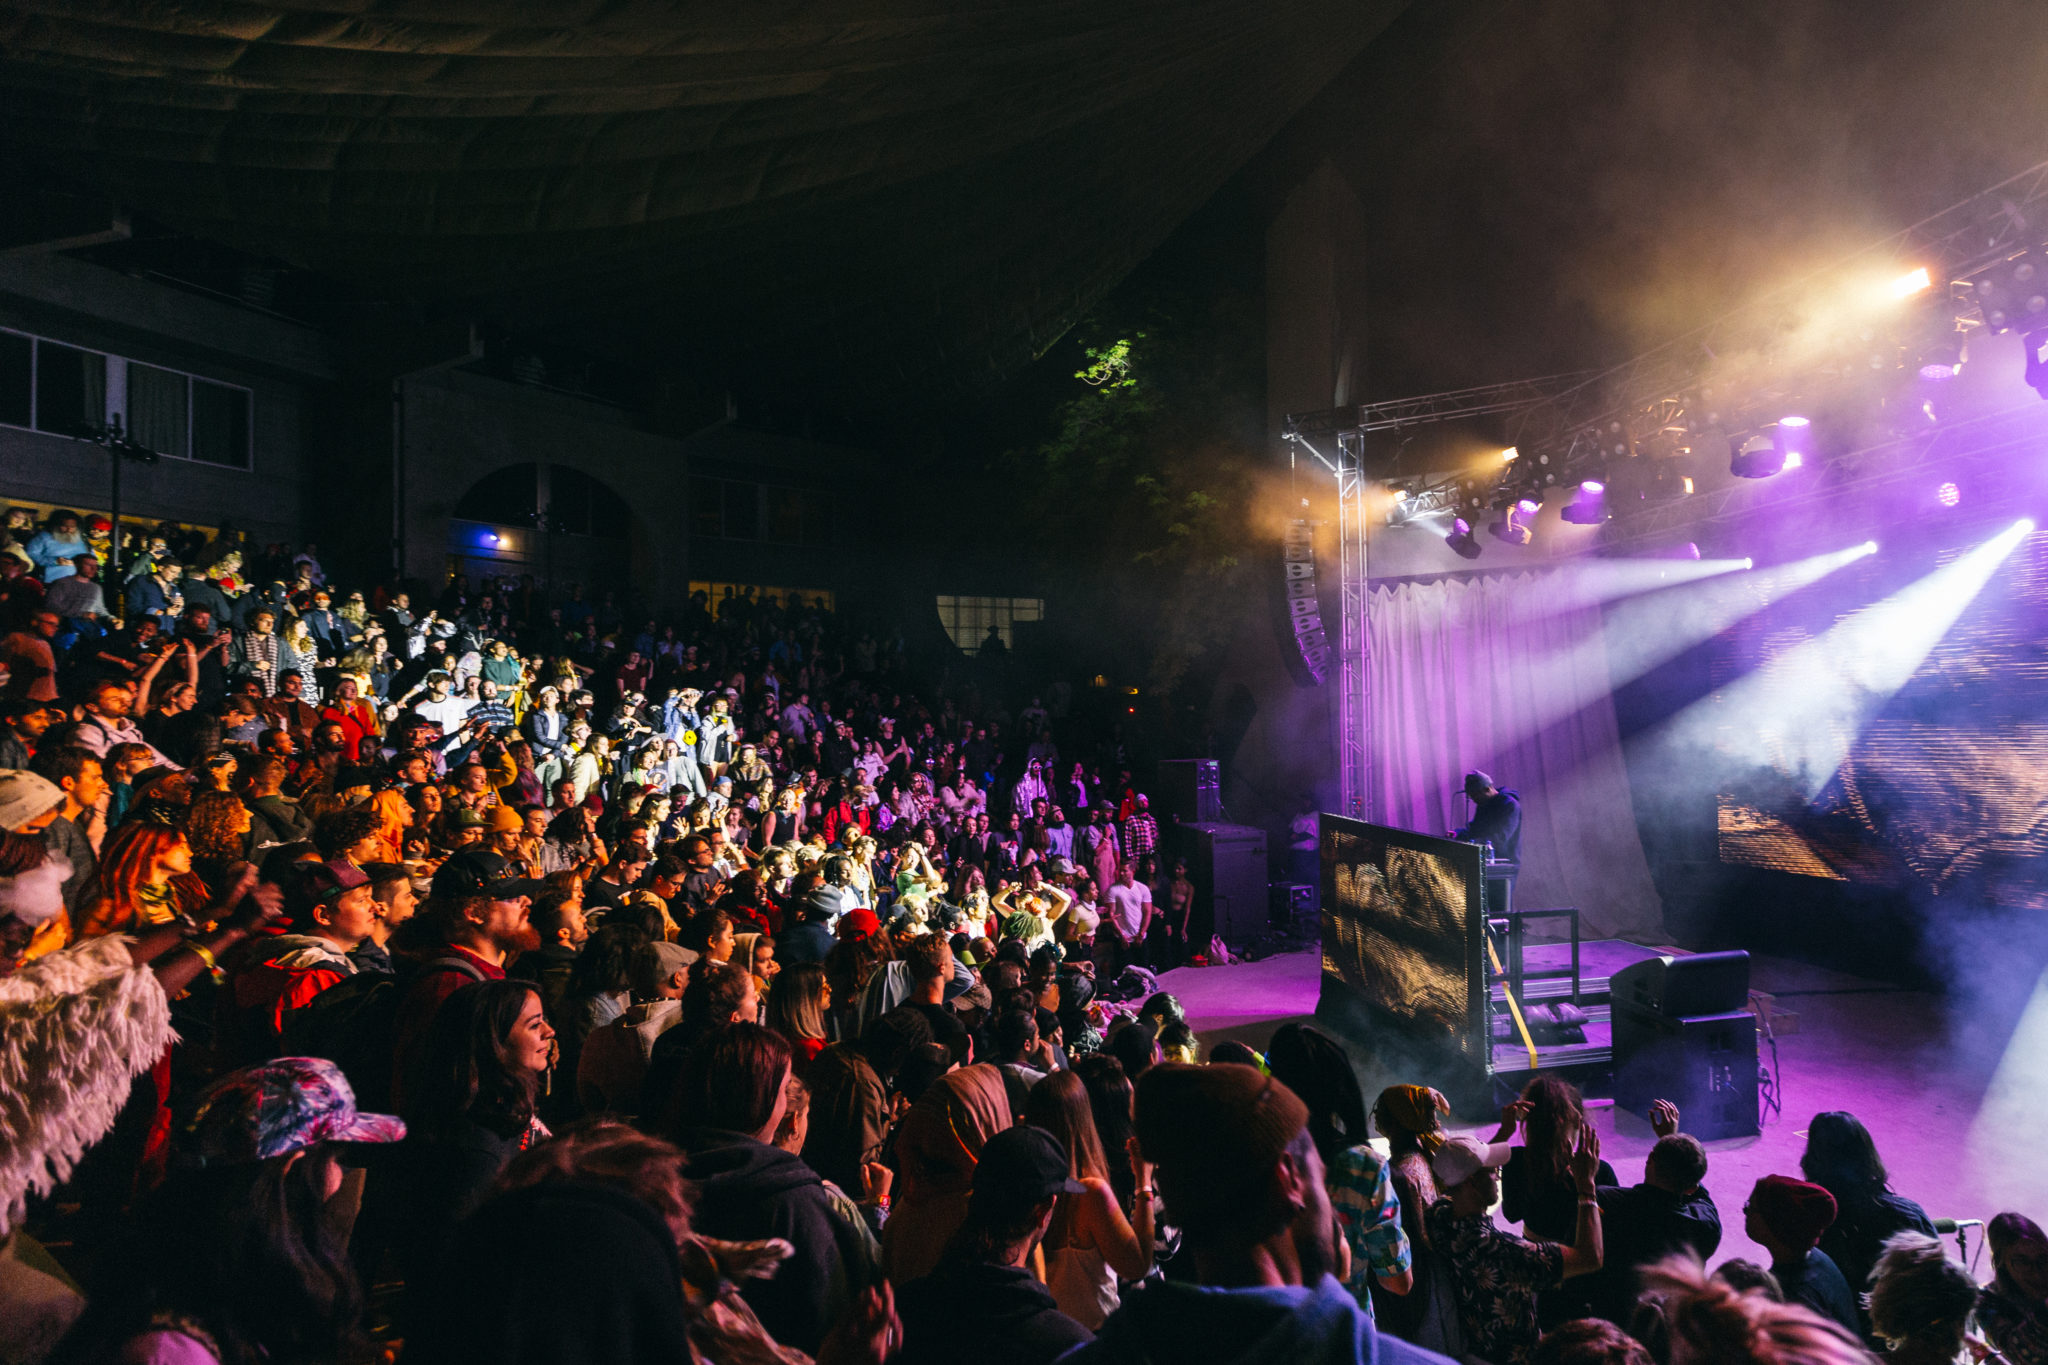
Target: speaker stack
x,y
1683,1032
1303,611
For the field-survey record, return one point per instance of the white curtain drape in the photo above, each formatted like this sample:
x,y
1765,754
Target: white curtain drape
x,y
1507,675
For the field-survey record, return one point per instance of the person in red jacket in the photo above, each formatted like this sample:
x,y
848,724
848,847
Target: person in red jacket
x,y
332,909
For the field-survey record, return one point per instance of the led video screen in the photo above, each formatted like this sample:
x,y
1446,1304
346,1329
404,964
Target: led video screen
x,y
1936,781
1402,924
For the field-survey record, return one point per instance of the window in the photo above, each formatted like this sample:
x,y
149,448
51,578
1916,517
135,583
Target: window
x,y
220,423
738,509
157,413
71,389
17,379
968,619
67,391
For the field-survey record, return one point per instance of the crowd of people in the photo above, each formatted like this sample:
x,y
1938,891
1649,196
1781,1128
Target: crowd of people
x,y
497,979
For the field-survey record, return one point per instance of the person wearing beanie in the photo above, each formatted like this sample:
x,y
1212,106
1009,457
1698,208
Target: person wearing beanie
x,y
1238,1169
1497,1276
1787,1217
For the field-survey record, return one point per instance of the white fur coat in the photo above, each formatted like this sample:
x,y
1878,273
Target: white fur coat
x,y
76,1028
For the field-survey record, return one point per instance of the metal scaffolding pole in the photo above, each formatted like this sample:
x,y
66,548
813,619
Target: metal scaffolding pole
x,y
1354,663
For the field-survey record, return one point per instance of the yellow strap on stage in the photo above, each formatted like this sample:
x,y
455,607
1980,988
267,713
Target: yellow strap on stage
x,y
1521,1024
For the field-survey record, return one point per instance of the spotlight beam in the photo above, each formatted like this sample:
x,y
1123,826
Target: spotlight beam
x,y
1638,635
1803,710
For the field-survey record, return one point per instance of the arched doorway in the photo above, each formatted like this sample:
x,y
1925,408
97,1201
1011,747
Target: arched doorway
x,y
554,523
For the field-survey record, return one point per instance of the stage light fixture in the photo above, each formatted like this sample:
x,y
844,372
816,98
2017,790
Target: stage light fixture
x,y
2037,361
1754,457
1510,455
1749,563
1529,507
1911,283
2025,526
1870,547
2013,295
1588,506
1948,495
1510,528
1461,540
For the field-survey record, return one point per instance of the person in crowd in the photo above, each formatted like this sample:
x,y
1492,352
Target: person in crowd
x,y
851,1105
145,878
1536,1186
982,1302
1495,1275
236,1259
1670,1213
1589,1341
1920,1301
613,1066
731,1097
481,914
1238,1168
1708,1321
556,916
1313,1065
938,1141
1091,1244
798,1004
470,1108
1127,915
2012,1310
331,911
1841,1157
1787,1218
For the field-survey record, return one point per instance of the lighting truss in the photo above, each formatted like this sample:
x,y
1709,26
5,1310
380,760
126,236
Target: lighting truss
x,y
1662,388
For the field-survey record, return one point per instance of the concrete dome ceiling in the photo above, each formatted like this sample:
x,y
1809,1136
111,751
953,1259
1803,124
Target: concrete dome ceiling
x,y
863,196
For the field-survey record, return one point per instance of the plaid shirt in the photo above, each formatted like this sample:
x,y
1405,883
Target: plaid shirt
x,y
1362,1193
1141,835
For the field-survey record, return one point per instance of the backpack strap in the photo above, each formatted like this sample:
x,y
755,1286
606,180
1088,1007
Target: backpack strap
x,y
460,965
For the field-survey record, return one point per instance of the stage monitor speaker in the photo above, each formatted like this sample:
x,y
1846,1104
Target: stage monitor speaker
x,y
1705,1065
1227,864
1188,791
1683,987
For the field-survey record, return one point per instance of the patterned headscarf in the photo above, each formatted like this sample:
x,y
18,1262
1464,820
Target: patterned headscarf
x,y
1415,1111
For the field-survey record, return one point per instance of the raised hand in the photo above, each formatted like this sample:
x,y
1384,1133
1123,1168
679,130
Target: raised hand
x,y
1586,1159
1664,1118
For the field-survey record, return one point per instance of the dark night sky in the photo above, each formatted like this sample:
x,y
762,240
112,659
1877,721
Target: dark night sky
x,y
1552,186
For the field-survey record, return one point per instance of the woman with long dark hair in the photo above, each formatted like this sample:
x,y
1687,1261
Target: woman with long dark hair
x,y
1842,1158
471,1105
799,1002
234,1259
1090,1245
1536,1184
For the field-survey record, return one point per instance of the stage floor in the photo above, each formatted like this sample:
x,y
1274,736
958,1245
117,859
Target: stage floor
x,y
1890,1056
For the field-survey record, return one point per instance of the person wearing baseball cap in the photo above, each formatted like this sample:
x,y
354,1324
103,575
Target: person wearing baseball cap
x,y
1238,1170
1496,1274
1787,1217
481,909
236,1256
1496,817
331,910
982,1302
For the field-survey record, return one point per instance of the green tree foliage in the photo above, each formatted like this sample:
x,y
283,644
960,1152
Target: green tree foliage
x,y
1143,484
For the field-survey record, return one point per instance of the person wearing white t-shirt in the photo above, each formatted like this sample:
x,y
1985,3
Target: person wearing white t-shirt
x,y
440,707
1126,916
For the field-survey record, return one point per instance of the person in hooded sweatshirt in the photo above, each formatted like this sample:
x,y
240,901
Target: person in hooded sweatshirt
x,y
728,1103
983,1303
1238,1170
